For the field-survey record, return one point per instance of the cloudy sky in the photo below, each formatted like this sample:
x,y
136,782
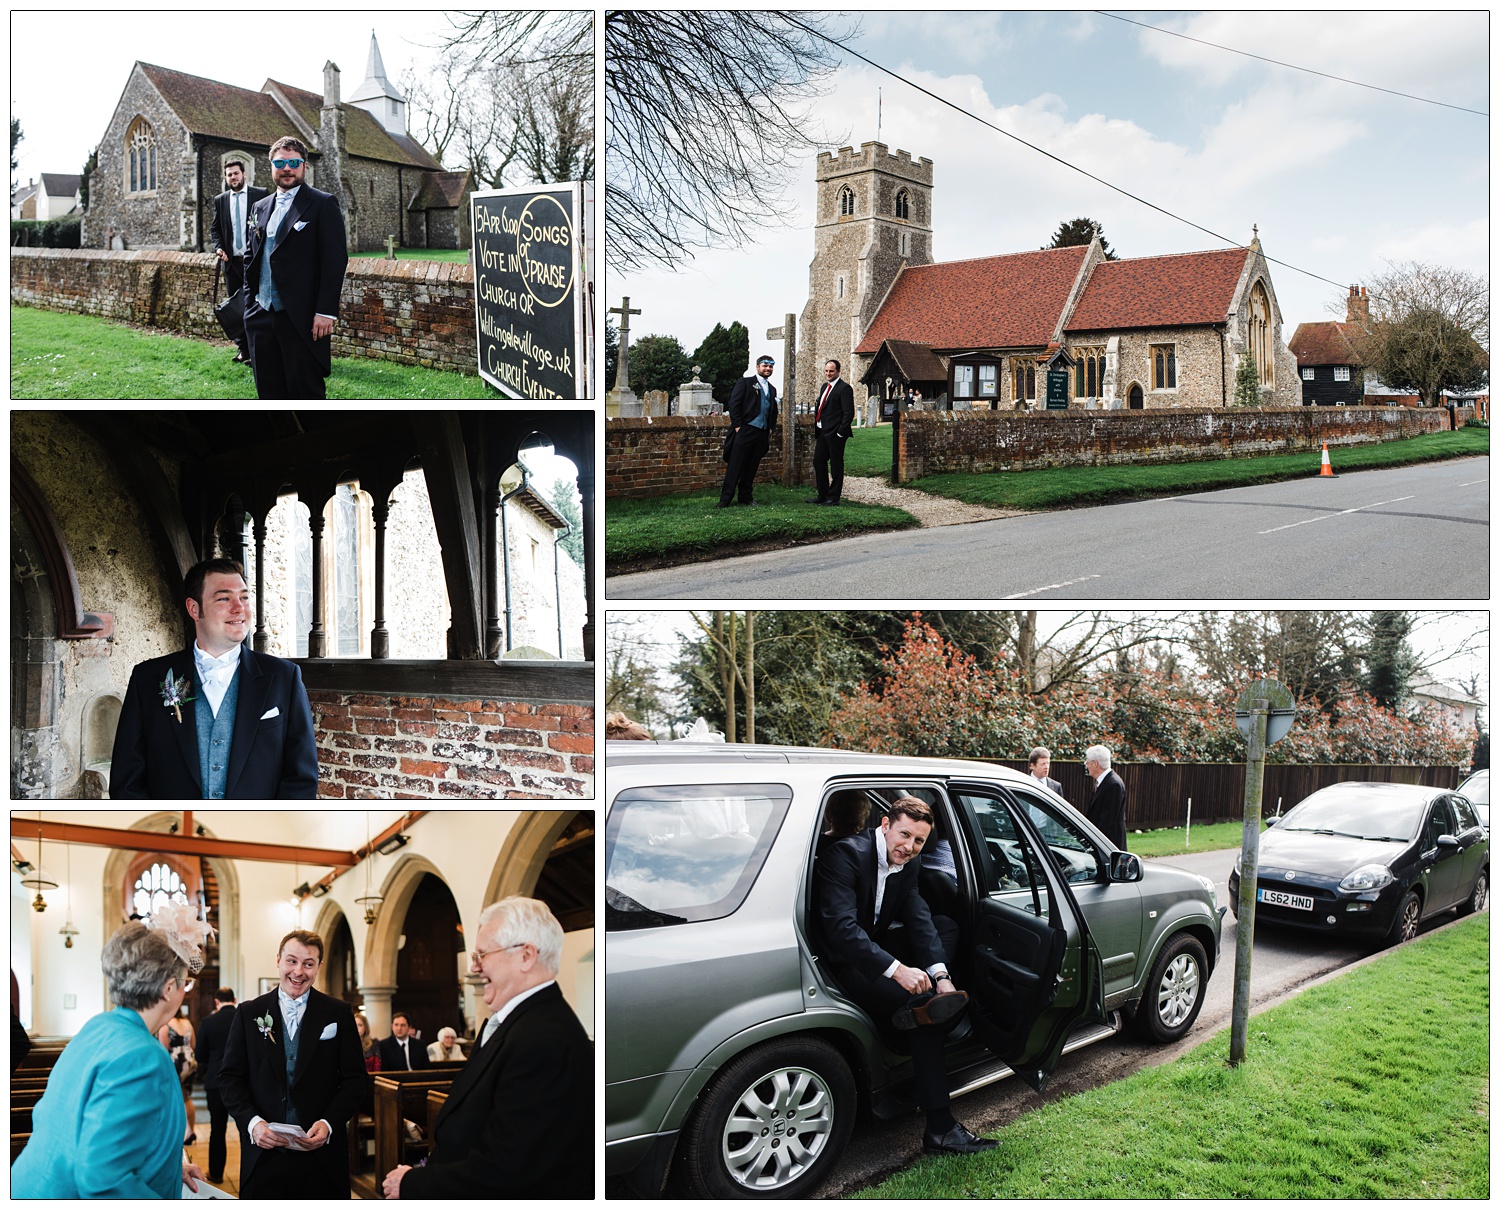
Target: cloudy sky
x,y
63,122
1339,178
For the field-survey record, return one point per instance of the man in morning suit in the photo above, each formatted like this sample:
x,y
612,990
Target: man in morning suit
x,y
293,1057
1107,806
401,1051
833,422
1041,766
864,886
295,259
752,416
227,231
217,720
213,1037
519,1119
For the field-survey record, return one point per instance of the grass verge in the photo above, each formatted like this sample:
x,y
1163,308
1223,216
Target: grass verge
x,y
1205,838
454,254
1083,485
868,452
1357,1088
659,532
55,355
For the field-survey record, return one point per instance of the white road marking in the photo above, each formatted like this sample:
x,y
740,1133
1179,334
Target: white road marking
x,y
1472,482
1344,513
1016,596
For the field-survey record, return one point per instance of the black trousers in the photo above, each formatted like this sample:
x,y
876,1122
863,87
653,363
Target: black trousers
x,y
828,454
234,282
881,997
280,1172
745,452
284,364
218,1150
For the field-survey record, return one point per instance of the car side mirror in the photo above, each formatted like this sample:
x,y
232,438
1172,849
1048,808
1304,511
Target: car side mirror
x,y
1449,843
1124,867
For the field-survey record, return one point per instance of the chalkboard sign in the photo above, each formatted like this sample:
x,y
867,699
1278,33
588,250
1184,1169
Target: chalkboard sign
x,y
533,289
1057,390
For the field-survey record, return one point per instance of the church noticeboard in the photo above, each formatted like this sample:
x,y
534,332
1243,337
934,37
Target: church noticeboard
x,y
1057,390
533,289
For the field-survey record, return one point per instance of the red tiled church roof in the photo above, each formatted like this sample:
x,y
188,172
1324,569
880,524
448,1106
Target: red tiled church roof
x,y
1323,344
1160,291
995,302
363,135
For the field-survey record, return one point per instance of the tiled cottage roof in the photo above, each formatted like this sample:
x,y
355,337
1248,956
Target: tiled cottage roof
x,y
60,184
441,190
220,111
1160,291
996,302
917,362
1323,344
363,135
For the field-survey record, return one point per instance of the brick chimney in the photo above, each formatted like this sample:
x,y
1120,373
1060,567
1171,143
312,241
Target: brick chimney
x,y
1358,311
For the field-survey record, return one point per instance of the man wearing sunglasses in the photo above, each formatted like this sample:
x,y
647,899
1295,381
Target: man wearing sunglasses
x,y
295,257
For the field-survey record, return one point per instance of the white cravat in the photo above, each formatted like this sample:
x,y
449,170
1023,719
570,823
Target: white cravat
x,y
291,1011
214,674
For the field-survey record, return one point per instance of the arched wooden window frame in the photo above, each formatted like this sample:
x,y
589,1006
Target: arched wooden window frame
x,y
846,202
903,204
139,162
1260,335
192,878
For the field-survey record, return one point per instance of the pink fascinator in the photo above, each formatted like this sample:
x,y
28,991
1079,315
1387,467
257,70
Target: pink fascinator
x,y
180,928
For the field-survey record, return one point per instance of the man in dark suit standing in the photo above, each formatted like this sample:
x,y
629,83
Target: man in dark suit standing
x,y
752,416
865,886
213,1036
1041,765
293,1058
217,720
519,1120
401,1051
227,232
833,422
1107,806
295,259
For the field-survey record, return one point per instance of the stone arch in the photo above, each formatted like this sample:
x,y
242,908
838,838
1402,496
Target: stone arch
x,y
1260,327
1136,397
903,204
846,202
524,852
139,161
384,936
326,924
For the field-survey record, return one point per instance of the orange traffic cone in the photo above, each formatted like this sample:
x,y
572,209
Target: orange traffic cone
x,y
1327,471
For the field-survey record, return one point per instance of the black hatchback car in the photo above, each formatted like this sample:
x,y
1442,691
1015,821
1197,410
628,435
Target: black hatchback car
x,y
1371,860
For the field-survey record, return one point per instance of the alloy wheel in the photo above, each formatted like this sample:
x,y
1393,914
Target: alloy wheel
x,y
1178,991
778,1128
1411,917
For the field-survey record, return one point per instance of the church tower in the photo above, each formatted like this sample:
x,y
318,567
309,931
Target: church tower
x,y
874,217
378,95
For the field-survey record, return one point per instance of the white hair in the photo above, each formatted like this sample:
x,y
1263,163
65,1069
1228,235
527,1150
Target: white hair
x,y
516,920
1098,753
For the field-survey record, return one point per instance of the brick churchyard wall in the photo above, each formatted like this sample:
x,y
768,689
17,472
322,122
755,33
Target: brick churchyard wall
x,y
413,312
665,455
373,745
934,443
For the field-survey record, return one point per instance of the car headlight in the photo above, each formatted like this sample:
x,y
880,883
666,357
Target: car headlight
x,y
1367,878
1239,862
1213,894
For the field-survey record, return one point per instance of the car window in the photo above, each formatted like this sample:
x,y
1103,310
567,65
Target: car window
x,y
1005,857
1440,823
1074,853
675,854
1465,812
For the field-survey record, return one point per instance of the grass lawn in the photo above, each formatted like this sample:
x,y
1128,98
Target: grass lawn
x,y
1372,1085
55,355
688,527
457,254
1205,838
1082,485
868,452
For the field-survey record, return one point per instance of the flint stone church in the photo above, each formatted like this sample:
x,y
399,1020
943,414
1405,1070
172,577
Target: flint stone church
x,y
1144,332
163,155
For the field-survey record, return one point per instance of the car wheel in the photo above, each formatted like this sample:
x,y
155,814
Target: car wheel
x,y
1476,901
771,1124
1408,919
1174,992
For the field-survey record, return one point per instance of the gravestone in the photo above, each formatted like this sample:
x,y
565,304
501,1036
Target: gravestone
x,y
621,400
655,403
695,398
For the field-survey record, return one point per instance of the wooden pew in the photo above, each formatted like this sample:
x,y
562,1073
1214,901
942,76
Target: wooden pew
x,y
40,1058
401,1095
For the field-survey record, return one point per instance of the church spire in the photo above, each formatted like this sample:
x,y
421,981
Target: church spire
x,y
378,95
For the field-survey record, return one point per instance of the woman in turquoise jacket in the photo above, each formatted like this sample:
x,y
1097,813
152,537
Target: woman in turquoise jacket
x,y
111,1121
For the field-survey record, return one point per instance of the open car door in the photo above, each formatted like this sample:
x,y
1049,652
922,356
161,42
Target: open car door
x,y
1036,973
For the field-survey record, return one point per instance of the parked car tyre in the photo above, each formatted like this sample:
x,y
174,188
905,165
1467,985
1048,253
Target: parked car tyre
x,y
771,1124
1408,919
1475,902
1173,994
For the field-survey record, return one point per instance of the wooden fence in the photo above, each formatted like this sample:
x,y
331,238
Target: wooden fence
x,y
1156,796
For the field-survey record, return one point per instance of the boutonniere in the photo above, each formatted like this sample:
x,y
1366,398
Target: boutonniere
x,y
265,1025
175,692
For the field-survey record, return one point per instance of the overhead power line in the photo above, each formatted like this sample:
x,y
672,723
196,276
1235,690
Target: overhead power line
x,y
792,17
1294,67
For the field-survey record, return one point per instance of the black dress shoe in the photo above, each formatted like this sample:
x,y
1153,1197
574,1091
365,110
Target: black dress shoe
x,y
817,500
752,503
829,500
936,1008
241,359
958,1140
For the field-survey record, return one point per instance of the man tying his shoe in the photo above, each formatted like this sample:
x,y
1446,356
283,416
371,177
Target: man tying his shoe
x,y
865,886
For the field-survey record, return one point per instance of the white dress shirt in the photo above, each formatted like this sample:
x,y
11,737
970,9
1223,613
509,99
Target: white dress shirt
x,y
214,674
509,1007
883,871
288,1016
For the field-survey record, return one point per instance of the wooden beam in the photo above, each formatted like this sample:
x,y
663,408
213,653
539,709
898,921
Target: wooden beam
x,y
166,842
445,465
360,853
568,682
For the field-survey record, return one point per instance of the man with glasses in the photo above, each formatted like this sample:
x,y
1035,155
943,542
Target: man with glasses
x,y
295,257
752,416
519,1120
231,219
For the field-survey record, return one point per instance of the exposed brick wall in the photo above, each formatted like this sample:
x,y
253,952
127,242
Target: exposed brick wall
x,y
373,745
933,443
413,312
665,455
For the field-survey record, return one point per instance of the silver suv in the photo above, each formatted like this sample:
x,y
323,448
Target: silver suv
x,y
736,1066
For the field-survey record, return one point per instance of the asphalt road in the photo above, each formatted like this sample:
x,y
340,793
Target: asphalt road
x,y
1417,532
1281,962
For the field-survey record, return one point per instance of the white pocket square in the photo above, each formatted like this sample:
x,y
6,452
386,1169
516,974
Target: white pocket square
x,y
329,1031
299,225
271,713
